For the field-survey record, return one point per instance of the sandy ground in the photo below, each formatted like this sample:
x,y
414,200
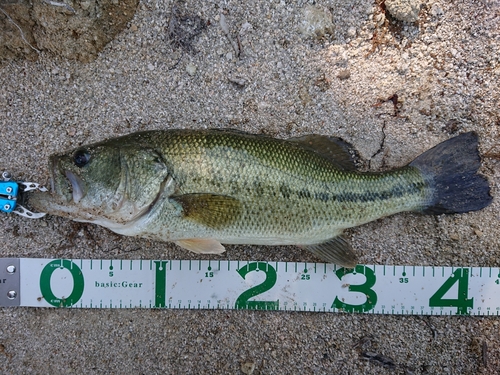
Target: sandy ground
x,y
445,71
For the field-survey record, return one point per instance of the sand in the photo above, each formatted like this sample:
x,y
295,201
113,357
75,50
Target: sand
x,y
331,68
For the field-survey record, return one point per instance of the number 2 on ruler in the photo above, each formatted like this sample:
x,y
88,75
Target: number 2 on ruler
x,y
243,300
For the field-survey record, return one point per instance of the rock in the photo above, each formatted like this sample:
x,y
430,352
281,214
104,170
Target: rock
x,y
248,368
16,38
237,80
78,33
404,10
191,69
316,22
344,74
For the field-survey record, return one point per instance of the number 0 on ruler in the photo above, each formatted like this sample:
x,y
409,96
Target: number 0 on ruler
x,y
200,284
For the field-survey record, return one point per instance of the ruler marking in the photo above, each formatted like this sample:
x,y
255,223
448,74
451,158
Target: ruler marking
x,y
142,287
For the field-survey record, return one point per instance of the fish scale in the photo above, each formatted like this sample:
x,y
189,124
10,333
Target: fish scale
x,y
204,188
316,176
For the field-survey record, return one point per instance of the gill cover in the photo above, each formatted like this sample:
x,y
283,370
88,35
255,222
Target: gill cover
x,y
106,183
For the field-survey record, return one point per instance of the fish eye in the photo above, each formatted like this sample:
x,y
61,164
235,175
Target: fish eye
x,y
81,158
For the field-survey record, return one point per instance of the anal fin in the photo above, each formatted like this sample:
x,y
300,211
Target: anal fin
x,y
337,250
201,245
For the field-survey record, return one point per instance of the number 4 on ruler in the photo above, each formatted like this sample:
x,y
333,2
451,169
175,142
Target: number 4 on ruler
x,y
462,303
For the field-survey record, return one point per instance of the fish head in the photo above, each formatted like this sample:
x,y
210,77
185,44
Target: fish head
x,y
110,183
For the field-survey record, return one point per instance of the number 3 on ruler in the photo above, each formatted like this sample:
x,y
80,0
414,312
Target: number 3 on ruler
x,y
365,288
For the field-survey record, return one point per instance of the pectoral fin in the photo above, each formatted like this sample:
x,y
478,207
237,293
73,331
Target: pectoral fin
x,y
336,250
202,245
212,210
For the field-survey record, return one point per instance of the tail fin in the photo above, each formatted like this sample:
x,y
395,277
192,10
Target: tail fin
x,y
451,169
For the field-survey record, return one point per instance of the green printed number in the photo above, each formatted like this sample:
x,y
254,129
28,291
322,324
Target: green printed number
x,y
160,283
462,303
78,283
242,302
365,288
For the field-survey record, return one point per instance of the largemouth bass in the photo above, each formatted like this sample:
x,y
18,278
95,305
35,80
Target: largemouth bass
x,y
204,188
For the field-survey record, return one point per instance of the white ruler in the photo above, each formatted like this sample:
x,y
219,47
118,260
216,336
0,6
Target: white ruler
x,y
189,284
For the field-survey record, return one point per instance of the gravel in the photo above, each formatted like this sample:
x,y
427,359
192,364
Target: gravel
x,y
263,74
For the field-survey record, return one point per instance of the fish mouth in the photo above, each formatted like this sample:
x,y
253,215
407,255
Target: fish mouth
x,y
65,183
76,185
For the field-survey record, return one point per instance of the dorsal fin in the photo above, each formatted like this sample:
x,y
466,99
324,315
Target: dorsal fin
x,y
339,152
